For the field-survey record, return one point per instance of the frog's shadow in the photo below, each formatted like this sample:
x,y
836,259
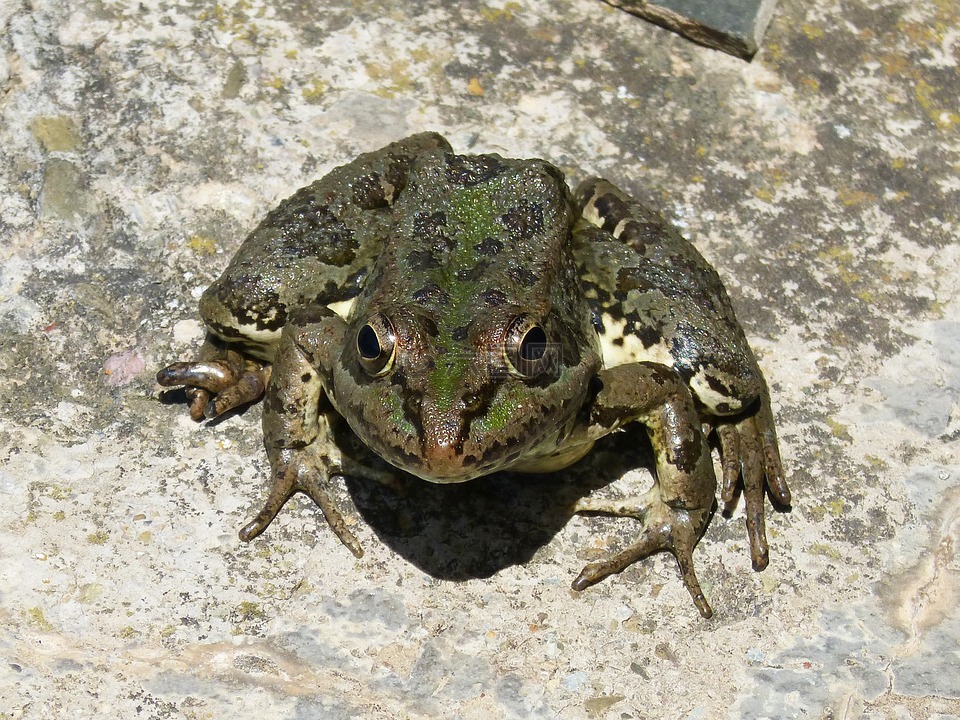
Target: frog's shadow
x,y
477,528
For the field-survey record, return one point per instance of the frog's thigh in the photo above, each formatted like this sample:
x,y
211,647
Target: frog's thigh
x,y
656,396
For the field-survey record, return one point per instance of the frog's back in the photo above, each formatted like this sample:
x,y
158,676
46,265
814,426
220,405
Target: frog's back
x,y
317,246
475,233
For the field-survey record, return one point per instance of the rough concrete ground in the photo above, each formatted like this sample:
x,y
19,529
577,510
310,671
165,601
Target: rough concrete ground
x,y
139,142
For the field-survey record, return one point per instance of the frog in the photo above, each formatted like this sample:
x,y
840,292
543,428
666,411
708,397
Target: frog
x,y
472,314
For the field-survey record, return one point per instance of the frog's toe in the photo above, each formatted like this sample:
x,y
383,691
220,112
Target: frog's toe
x,y
748,450
664,528
289,478
216,386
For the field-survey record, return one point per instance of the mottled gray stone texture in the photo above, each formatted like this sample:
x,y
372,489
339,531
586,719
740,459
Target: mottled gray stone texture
x,y
139,142
734,26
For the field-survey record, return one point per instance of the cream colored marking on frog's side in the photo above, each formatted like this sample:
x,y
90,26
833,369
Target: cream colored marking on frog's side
x,y
343,307
618,230
632,349
253,334
710,397
590,211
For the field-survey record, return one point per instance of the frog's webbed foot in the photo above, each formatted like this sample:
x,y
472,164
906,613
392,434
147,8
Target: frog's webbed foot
x,y
675,530
217,384
290,476
748,450
293,471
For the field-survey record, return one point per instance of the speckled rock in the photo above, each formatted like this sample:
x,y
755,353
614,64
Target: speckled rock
x,y
139,142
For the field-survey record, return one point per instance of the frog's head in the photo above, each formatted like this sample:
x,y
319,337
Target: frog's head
x,y
453,403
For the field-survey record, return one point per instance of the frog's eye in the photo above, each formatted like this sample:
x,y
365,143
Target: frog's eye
x,y
377,345
527,352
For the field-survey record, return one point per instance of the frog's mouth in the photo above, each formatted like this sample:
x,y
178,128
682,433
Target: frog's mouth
x,y
519,428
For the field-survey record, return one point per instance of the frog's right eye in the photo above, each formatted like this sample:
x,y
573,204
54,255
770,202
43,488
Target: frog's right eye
x,y
377,345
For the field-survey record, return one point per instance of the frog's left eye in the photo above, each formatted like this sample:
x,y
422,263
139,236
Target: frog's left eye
x,y
526,351
377,345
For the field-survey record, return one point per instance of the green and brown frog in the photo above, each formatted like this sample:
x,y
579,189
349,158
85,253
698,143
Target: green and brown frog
x,y
467,314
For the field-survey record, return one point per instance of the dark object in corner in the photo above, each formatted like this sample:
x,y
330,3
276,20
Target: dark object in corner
x,y
734,26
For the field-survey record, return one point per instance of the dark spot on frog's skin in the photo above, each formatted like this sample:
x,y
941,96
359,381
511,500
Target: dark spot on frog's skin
x,y
430,326
459,333
630,278
368,192
612,209
252,303
429,224
597,320
422,260
524,221
637,235
687,455
649,336
306,377
354,283
618,341
717,386
523,276
493,298
474,273
466,170
489,246
431,293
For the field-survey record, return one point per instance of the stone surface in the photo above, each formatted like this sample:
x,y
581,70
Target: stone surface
x,y
734,26
140,141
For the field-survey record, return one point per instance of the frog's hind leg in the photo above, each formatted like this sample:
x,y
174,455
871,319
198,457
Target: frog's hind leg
x,y
221,380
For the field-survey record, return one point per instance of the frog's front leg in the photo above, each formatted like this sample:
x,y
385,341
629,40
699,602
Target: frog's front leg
x,y
297,426
676,510
220,380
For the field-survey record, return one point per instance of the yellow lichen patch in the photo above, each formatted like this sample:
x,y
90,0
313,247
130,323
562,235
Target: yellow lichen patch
x,y
90,593
841,259
810,83
314,91
813,32
836,507
249,611
57,492
940,116
395,75
507,12
36,618
876,462
825,550
98,538
56,134
849,196
773,51
894,64
202,244
474,87
918,33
